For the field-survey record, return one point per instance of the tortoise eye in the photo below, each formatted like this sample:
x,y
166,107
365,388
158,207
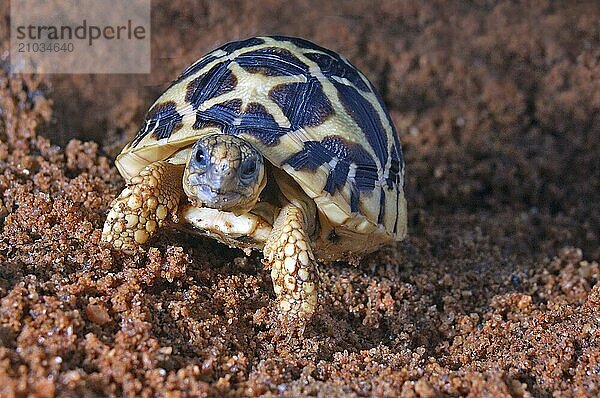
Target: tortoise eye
x,y
200,157
249,168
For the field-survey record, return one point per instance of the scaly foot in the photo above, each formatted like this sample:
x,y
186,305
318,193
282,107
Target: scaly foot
x,y
149,199
293,268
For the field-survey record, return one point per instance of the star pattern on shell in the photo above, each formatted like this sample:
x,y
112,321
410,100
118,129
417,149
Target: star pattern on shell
x,y
254,88
310,111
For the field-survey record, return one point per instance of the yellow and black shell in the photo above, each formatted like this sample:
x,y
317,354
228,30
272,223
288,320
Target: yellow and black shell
x,y
306,109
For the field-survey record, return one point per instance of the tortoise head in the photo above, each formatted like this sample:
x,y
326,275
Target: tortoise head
x,y
224,172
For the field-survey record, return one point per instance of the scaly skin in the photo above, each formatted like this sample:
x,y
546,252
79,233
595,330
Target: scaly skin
x,y
149,199
293,267
226,155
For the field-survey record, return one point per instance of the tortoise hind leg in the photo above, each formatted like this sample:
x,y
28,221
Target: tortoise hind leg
x,y
149,199
293,267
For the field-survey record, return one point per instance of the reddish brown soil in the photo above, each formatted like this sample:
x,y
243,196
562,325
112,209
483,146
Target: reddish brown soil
x,y
494,293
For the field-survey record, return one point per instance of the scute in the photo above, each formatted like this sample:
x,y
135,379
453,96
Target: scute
x,y
307,109
304,104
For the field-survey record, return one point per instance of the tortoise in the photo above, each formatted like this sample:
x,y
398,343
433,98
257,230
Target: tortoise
x,y
269,143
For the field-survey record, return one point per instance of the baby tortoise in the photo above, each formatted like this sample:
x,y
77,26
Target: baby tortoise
x,y
274,144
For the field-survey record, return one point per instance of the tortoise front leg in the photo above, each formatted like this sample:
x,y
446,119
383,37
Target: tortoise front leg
x,y
293,267
149,199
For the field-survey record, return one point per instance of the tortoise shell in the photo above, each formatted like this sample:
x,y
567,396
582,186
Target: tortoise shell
x,y
307,110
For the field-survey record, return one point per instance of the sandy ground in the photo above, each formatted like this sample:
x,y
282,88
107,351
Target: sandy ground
x,y
495,292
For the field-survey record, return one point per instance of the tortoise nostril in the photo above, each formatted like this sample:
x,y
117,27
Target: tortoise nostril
x,y
221,169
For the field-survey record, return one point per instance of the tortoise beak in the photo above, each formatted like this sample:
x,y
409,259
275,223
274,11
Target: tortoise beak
x,y
221,177
218,189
